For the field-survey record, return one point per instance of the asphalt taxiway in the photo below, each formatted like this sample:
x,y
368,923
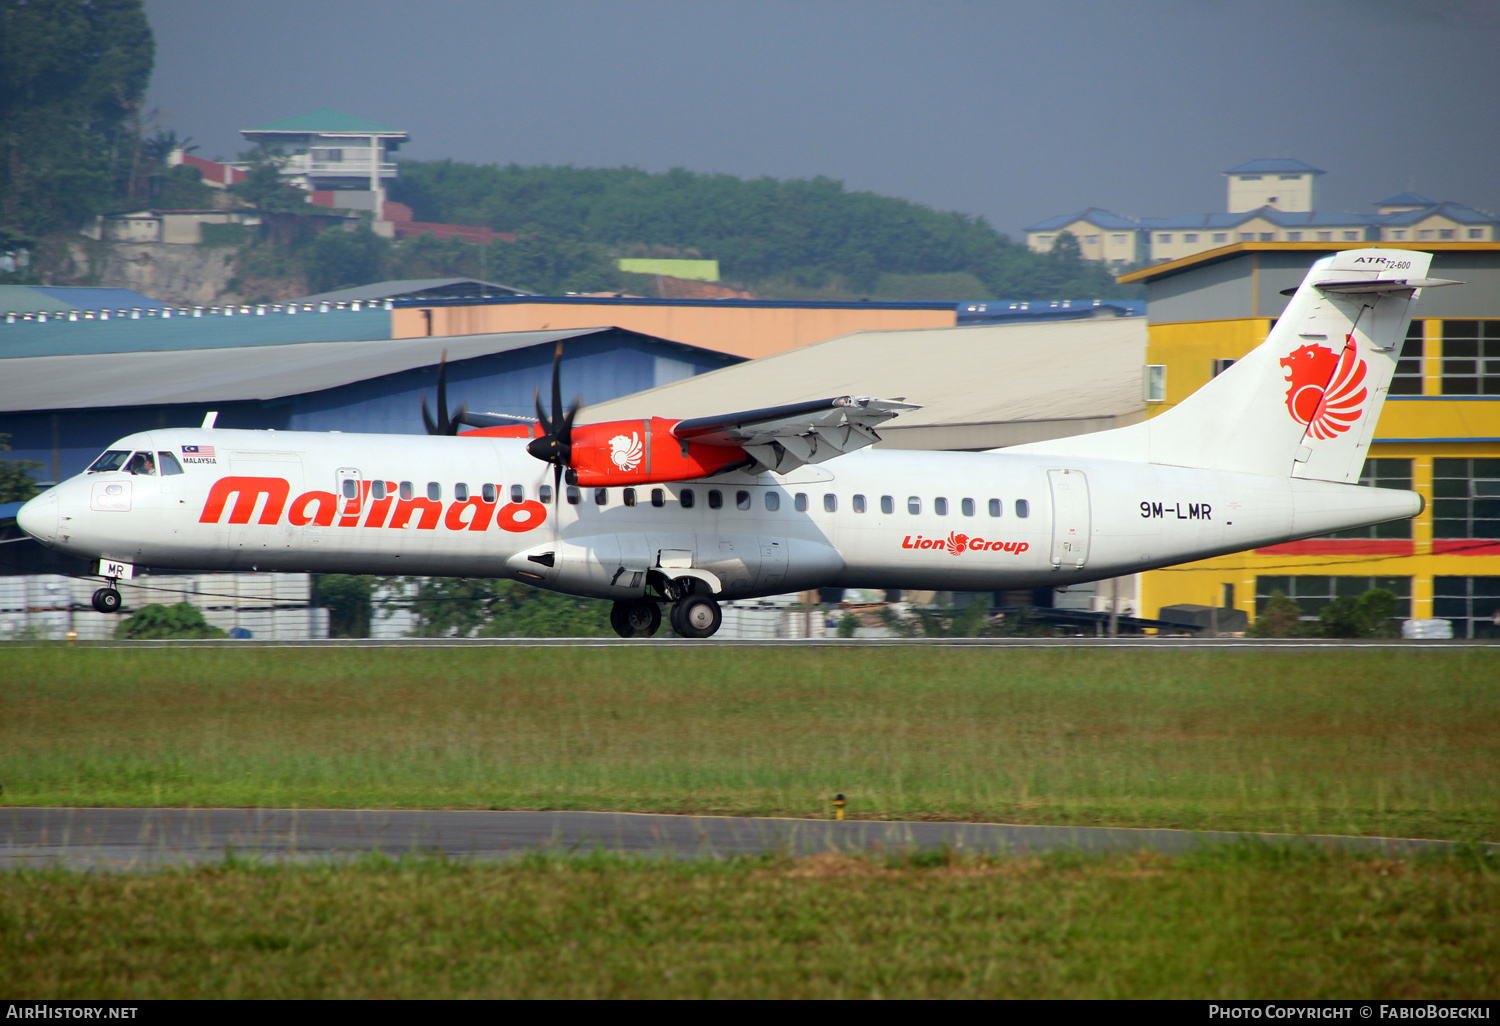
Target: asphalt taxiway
x,y
87,838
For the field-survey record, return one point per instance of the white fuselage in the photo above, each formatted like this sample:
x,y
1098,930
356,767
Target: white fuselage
x,y
1084,519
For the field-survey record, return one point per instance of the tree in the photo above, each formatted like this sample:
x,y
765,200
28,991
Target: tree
x,y
157,621
71,80
349,601
1281,618
263,187
1369,615
338,259
464,608
181,188
16,482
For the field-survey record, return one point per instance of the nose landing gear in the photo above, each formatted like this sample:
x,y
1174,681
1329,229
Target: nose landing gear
x,y
639,618
107,600
696,616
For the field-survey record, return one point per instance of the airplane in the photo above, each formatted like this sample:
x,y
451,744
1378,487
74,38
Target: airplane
x,y
684,514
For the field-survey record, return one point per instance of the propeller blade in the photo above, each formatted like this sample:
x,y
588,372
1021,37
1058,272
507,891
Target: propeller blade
x,y
557,497
541,414
442,396
432,429
458,418
557,380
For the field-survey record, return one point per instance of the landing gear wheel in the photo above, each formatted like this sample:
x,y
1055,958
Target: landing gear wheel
x,y
696,616
107,600
640,618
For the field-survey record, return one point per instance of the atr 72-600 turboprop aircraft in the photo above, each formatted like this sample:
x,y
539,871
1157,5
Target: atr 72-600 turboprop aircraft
x,y
684,513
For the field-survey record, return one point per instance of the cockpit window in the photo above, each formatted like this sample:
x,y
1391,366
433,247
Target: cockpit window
x,y
168,464
114,459
142,463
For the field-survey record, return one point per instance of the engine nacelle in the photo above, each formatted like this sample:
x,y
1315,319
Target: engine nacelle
x,y
634,452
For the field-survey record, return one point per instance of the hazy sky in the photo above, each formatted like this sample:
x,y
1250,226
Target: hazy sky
x,y
1013,109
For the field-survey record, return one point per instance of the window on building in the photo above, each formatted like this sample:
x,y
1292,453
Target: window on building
x,y
799,502
1190,237
687,498
996,507
830,503
1164,237
1023,508
1222,365
1408,377
1120,240
1156,383
1289,178
1383,472
1091,240
1044,240
1351,236
1249,178
1445,233
1471,358
1267,236
1398,234
887,504
1294,236
658,497
1471,603
1466,498
1476,233
628,496
1313,593
715,499
1325,236
859,503
742,499
323,156
966,507
1247,236
1221,236
1426,233
914,505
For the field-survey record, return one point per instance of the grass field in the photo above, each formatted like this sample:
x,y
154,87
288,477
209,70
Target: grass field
x,y
1226,924
1394,742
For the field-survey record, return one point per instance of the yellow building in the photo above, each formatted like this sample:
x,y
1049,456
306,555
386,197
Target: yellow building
x,y
1439,433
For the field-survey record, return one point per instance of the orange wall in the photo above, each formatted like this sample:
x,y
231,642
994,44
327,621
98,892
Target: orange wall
x,y
744,331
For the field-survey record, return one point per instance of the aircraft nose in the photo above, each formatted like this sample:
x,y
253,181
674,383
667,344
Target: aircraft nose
x,y
38,517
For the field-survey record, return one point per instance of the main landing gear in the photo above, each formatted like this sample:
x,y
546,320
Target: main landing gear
x,y
107,600
692,616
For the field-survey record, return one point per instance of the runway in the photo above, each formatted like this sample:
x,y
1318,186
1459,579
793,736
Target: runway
x,y
668,641
141,839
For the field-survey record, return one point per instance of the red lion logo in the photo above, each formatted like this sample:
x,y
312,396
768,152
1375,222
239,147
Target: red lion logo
x,y
958,544
1325,391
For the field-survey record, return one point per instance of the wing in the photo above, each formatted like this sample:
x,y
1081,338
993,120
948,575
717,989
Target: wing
x,y
783,438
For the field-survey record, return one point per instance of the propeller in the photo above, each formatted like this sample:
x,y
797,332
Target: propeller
x,y
555,446
444,425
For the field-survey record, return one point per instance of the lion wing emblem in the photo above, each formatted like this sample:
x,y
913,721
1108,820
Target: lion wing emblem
x,y
1325,391
625,451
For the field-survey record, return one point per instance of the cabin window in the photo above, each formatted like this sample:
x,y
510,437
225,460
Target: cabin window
x,y
996,507
686,496
377,489
488,491
715,498
460,492
573,495
773,501
168,464
830,503
887,504
434,491
914,505
1023,508
406,491
142,463
601,496
859,503
940,506
799,503
966,507
658,497
628,496
517,493
742,499
545,493
111,460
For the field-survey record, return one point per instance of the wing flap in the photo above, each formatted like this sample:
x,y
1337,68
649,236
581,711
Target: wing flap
x,y
782,438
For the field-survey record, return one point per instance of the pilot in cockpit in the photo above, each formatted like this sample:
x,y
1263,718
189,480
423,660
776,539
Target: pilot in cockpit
x,y
141,463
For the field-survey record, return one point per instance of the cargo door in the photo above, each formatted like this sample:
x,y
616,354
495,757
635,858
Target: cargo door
x,y
1070,518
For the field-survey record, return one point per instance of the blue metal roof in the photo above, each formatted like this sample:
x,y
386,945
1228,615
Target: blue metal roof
x,y
205,329
777,304
1000,310
1453,211
1273,166
1095,216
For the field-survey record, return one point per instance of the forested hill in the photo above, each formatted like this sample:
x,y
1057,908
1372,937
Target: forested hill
x,y
772,235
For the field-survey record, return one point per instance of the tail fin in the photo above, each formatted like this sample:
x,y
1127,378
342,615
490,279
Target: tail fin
x,y
1303,403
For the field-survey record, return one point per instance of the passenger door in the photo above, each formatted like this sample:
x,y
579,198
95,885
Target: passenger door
x,y
1071,524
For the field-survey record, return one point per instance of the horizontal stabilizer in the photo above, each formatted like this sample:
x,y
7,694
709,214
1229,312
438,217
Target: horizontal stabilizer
x,y
1378,286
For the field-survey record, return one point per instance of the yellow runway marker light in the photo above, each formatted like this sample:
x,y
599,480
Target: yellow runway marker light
x,y
838,806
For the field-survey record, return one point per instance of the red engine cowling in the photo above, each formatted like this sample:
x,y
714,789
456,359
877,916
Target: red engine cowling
x,y
631,452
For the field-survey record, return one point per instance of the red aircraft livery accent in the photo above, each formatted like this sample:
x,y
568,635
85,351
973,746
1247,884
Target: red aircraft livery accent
x,y
957,544
1325,391
318,507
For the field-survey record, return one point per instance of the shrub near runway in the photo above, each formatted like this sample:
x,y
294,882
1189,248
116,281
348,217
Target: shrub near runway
x,y
1377,741
1228,924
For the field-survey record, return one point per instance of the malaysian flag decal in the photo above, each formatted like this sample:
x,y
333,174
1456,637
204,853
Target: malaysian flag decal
x,y
197,450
